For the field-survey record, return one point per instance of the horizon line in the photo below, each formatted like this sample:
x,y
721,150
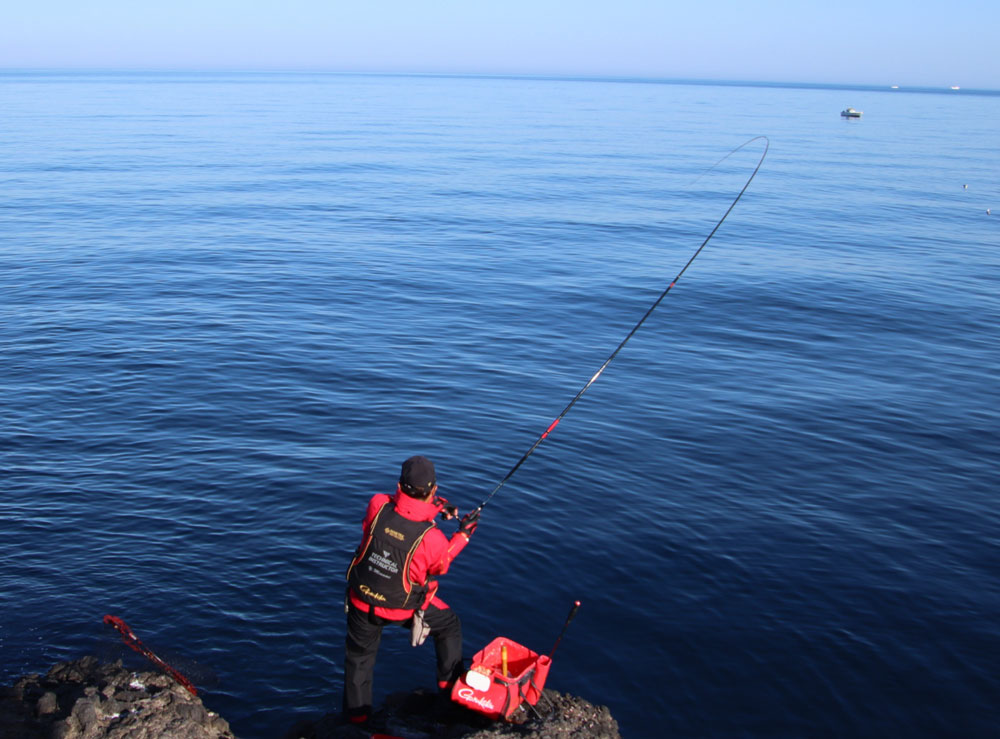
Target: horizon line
x,y
542,76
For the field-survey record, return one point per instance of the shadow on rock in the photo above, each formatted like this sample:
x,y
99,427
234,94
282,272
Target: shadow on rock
x,y
423,715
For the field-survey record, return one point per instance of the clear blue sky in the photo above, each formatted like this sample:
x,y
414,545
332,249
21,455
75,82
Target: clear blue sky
x,y
852,41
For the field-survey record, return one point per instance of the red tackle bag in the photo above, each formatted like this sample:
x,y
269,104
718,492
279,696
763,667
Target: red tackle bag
x,y
495,695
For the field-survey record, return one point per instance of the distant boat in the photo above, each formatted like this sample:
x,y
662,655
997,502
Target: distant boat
x,y
895,87
955,87
851,113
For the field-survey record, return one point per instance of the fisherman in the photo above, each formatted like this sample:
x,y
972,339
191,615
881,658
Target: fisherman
x,y
391,581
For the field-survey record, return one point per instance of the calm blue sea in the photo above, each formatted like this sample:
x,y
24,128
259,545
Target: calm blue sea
x,y
232,304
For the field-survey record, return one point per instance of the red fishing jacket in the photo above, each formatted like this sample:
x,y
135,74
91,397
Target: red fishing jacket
x,y
432,556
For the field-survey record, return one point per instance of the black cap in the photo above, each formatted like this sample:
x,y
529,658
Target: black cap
x,y
417,476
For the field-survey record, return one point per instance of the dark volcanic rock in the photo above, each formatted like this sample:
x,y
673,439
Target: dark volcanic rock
x,y
421,715
88,700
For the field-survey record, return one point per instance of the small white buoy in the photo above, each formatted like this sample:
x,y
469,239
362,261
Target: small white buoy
x,y
988,212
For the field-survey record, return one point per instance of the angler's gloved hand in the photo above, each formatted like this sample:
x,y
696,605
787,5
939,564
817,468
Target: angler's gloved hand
x,y
469,523
447,511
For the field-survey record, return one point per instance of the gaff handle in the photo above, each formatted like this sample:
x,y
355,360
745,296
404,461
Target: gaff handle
x,y
129,637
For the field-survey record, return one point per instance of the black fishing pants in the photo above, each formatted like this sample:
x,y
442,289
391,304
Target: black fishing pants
x,y
364,634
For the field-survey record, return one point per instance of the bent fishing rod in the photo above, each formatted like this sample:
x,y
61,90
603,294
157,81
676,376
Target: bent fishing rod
x,y
642,320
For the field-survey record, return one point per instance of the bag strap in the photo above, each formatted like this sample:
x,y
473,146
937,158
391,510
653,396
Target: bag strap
x,y
525,678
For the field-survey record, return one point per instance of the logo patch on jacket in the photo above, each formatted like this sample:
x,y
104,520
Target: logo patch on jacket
x,y
371,593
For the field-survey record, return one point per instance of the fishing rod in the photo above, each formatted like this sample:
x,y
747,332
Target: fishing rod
x,y
642,320
572,612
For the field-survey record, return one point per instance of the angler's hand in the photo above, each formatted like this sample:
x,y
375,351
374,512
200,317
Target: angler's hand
x,y
469,523
447,511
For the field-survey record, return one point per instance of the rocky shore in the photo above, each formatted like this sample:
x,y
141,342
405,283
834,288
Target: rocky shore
x,y
89,700
86,699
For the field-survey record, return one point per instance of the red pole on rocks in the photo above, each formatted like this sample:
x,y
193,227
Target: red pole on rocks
x,y
133,641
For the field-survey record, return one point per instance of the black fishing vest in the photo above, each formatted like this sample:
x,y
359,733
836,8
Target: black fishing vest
x,y
380,573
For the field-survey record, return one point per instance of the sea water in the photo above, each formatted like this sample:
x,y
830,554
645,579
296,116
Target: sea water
x,y
232,304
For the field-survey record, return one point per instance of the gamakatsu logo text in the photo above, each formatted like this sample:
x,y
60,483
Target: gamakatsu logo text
x,y
467,694
371,593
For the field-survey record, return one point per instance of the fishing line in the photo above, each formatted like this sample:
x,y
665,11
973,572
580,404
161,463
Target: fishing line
x,y
642,320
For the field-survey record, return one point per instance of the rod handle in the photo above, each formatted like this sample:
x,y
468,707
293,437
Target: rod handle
x,y
572,613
